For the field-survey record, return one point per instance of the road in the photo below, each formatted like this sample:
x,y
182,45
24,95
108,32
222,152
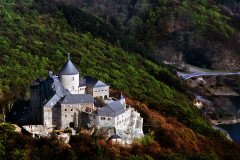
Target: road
x,y
224,131
197,73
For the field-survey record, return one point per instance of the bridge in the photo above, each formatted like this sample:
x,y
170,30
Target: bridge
x,y
187,76
197,73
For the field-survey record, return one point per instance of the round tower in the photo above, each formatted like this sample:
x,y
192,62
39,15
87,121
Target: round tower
x,y
69,76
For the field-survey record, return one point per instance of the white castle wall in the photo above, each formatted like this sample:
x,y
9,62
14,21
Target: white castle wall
x,y
70,82
47,116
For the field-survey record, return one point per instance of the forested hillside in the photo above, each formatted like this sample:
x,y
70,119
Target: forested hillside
x,y
35,37
200,32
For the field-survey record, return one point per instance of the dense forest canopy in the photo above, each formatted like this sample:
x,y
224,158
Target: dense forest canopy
x,y
118,48
203,32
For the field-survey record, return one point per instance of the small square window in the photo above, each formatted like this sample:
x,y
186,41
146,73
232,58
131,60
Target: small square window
x,y
109,119
71,109
65,109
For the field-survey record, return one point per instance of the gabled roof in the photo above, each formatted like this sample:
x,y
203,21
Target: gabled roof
x,y
68,69
78,99
49,87
91,82
53,101
60,90
111,110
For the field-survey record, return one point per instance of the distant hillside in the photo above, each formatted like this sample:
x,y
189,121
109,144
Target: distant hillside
x,y
201,32
35,38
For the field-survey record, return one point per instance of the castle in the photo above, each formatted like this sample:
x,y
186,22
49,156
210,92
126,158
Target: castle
x,y
64,101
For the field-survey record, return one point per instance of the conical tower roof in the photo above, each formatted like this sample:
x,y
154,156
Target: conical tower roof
x,y
68,68
121,96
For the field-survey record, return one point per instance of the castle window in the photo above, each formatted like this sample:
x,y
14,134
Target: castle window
x,y
102,118
102,89
66,116
72,78
95,90
71,109
65,109
72,88
105,89
109,119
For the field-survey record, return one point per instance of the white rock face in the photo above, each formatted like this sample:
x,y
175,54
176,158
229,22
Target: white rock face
x,y
133,129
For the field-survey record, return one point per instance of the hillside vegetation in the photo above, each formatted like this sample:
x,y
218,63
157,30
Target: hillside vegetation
x,y
200,32
35,38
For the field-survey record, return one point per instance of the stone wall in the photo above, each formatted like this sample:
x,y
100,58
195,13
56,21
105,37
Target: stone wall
x,y
101,92
56,116
69,113
38,128
70,82
105,122
88,120
133,129
128,125
47,116
82,90
123,120
87,107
